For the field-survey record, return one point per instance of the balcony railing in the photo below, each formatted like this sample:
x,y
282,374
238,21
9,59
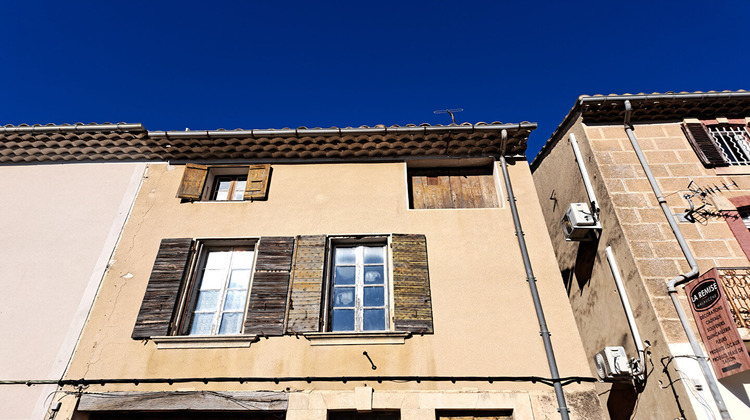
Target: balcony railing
x,y
736,283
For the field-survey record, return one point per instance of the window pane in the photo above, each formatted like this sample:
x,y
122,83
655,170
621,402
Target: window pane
x,y
218,259
242,259
231,323
374,296
374,255
374,320
221,195
240,279
374,274
235,300
343,320
239,190
201,324
343,296
213,279
345,256
207,301
344,275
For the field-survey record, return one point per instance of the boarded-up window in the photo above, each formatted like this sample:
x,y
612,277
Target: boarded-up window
x,y
452,188
474,414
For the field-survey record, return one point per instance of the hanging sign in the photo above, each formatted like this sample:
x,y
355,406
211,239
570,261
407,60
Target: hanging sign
x,y
716,325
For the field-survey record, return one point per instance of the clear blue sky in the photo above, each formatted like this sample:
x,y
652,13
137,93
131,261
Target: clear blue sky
x,y
260,64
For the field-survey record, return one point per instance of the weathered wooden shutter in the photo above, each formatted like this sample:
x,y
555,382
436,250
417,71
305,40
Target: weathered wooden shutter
x,y
270,288
257,182
703,144
157,308
412,304
193,179
307,285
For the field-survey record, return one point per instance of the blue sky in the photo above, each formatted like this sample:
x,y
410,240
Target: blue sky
x,y
250,64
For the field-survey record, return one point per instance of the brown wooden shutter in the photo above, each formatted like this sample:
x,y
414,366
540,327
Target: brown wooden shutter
x,y
257,182
270,288
157,308
307,285
703,144
193,179
412,304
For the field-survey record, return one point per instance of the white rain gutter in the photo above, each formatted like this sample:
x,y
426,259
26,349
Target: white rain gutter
x,y
682,278
641,361
372,131
586,180
77,128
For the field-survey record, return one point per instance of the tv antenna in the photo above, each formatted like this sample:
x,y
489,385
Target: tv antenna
x,y
449,112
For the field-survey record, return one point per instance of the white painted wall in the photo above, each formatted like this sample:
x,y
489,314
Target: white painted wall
x,y
59,224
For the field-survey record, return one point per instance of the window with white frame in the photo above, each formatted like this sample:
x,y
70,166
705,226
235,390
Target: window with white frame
x,y
359,288
221,286
228,188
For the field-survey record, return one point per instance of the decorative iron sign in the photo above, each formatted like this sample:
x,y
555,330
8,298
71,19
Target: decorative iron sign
x,y
716,325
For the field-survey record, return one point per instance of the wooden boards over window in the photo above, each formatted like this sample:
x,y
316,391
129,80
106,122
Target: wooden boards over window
x,y
452,188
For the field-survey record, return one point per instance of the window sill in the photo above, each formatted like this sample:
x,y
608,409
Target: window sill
x,y
203,341
352,338
733,170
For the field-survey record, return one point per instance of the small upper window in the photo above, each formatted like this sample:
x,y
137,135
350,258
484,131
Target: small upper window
x,y
224,183
359,288
452,188
720,142
228,188
220,290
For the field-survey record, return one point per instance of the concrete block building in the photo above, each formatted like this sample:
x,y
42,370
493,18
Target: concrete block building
x,y
668,196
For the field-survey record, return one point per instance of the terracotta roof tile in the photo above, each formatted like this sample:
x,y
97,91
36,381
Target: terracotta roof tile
x,y
87,142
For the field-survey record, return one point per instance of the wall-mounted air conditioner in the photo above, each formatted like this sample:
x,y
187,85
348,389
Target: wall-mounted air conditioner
x,y
579,224
612,364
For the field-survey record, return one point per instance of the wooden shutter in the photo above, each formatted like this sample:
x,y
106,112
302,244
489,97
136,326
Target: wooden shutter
x,y
257,182
270,288
157,308
703,144
412,304
193,179
307,285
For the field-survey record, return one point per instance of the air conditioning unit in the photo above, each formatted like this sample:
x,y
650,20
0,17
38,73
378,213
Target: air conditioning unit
x,y
579,223
612,364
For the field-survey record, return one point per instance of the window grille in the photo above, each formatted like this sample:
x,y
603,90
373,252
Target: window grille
x,y
733,142
736,284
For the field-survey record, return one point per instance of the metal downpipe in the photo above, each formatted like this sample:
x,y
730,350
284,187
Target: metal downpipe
x,y
682,278
639,373
543,331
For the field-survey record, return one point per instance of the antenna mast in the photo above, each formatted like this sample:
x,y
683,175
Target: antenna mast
x,y
449,112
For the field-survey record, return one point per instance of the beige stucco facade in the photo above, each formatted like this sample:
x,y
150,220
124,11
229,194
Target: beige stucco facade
x,y
60,225
647,254
483,314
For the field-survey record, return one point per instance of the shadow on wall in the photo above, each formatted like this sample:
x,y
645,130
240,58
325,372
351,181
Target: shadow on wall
x,y
583,267
736,385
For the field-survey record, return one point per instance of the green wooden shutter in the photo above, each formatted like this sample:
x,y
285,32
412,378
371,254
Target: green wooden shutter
x,y
257,182
412,304
270,287
307,285
157,308
193,179
703,144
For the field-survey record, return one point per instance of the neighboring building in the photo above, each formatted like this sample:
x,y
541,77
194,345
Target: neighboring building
x,y
64,199
697,147
369,273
